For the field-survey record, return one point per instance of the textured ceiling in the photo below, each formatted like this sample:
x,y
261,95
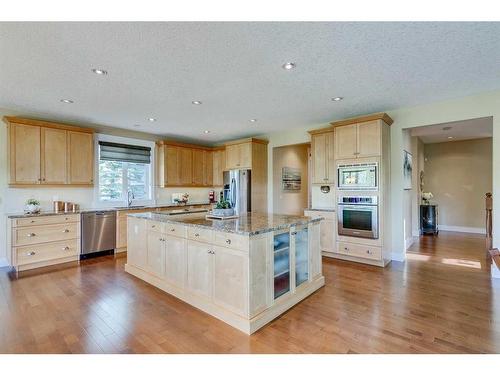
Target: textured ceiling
x,y
458,130
157,69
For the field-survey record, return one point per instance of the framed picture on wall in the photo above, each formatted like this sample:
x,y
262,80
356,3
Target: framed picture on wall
x,y
407,170
291,179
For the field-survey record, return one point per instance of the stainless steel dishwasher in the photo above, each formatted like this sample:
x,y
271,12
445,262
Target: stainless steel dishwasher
x,y
98,233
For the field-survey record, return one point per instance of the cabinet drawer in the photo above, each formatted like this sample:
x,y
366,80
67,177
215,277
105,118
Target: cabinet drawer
x,y
42,220
231,240
44,233
361,251
327,215
156,226
49,251
175,230
200,234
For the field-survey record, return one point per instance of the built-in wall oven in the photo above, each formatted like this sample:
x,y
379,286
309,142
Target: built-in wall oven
x,y
358,216
359,176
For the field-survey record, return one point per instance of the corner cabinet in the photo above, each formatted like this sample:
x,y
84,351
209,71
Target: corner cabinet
x,y
323,166
47,153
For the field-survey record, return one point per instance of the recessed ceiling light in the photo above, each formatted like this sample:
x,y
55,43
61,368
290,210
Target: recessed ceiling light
x,y
450,137
447,128
253,120
288,66
151,119
337,99
206,131
101,72
67,101
196,102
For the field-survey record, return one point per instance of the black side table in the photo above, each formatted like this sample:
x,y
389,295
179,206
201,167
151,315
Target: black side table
x,y
429,219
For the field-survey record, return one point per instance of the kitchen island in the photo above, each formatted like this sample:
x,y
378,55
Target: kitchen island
x,y
244,271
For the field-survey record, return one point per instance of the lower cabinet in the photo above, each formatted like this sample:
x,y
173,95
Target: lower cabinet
x,y
156,253
199,268
230,279
175,261
328,229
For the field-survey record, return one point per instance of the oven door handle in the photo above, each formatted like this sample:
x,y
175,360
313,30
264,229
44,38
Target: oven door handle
x,y
358,208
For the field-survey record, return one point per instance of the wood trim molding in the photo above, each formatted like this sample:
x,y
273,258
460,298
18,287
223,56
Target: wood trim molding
x,y
321,131
45,124
186,145
354,120
246,140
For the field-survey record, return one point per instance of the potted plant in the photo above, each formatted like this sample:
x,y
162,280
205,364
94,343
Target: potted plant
x,y
32,206
223,208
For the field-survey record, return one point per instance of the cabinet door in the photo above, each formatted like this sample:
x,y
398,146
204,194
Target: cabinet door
x,y
81,158
198,167
327,236
172,166
346,141
314,250
200,268
232,157
53,156
319,158
330,156
369,139
24,154
185,166
208,178
218,167
156,253
121,232
175,261
245,155
231,280
137,242
301,254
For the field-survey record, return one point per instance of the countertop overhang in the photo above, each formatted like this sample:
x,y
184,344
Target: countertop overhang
x,y
248,224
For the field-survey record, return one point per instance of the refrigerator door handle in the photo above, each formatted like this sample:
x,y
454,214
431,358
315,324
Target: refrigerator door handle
x,y
233,192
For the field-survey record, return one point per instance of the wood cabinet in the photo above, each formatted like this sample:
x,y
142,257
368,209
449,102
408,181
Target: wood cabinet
x,y
137,240
175,261
46,153
81,158
185,166
239,155
322,150
199,268
328,229
219,165
358,140
155,253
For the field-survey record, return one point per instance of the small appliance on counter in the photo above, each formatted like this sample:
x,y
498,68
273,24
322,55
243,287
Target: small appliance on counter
x,y
211,196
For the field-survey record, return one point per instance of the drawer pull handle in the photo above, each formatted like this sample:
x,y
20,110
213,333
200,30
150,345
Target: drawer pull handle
x,y
32,221
368,252
228,241
65,248
172,230
31,234
66,231
197,235
346,249
31,253
153,226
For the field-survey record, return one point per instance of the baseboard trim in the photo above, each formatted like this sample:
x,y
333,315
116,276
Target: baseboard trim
x,y
4,262
453,228
409,242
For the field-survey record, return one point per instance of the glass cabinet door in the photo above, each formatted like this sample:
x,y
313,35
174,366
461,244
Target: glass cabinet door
x,y
301,255
281,263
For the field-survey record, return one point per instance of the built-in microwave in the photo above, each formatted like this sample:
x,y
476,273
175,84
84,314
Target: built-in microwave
x,y
361,176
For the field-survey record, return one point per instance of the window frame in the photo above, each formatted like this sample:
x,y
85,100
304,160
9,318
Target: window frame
x,y
123,202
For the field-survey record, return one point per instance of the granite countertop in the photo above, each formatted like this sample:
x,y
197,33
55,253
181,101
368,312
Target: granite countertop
x,y
321,209
247,224
84,210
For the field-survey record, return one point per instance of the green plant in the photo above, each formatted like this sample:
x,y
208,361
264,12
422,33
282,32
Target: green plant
x,y
32,201
223,204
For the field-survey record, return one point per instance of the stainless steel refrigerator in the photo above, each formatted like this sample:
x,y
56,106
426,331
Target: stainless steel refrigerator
x,y
237,185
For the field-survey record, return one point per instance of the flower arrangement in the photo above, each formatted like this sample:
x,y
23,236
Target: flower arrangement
x,y
32,206
426,197
223,208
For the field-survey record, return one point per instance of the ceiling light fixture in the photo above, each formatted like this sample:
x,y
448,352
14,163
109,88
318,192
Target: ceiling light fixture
x,y
151,119
67,101
196,102
101,72
288,66
450,137
337,99
253,120
206,131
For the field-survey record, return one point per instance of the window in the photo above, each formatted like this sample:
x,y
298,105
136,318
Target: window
x,y
123,168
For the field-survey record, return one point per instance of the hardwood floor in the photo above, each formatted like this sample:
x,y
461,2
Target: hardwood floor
x,y
427,305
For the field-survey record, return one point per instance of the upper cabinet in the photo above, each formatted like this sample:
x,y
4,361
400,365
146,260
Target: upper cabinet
x,y
322,147
47,153
241,154
219,165
360,139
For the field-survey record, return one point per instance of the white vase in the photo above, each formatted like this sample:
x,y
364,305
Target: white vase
x,y
32,208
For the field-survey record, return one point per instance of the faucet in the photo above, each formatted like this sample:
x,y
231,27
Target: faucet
x,y
130,197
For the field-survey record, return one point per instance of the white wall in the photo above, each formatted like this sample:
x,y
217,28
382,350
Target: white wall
x,y
407,197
